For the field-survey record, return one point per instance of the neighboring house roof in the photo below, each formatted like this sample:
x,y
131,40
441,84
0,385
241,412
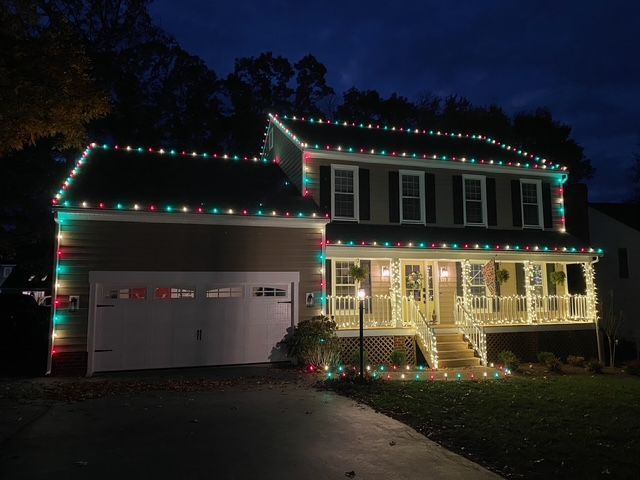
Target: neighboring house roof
x,y
125,178
353,234
348,137
627,213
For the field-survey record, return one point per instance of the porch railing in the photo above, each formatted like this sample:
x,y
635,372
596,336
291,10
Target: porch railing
x,y
344,309
512,309
471,329
426,334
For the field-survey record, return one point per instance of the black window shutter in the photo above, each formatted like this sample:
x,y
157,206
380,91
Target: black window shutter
x,y
492,210
430,197
459,279
394,197
364,192
327,275
546,205
623,263
458,215
516,203
551,287
325,188
520,279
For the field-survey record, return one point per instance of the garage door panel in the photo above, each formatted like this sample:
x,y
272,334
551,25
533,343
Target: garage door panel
x,y
228,318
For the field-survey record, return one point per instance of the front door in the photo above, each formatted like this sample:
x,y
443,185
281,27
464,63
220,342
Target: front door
x,y
418,284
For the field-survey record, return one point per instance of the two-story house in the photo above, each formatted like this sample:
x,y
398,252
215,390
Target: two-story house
x,y
188,258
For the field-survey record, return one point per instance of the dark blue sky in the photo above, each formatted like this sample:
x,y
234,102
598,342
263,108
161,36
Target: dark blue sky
x,y
579,59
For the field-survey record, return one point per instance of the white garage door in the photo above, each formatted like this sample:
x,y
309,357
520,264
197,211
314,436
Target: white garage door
x,y
182,319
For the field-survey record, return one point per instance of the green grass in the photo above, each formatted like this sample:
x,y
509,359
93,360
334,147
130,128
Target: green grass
x,y
556,427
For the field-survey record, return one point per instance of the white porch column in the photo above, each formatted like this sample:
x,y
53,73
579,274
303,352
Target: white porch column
x,y
466,284
530,292
396,292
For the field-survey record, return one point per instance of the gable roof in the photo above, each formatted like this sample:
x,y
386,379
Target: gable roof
x,y
627,213
125,178
349,137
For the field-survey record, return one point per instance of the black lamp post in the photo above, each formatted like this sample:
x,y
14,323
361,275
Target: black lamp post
x,y
361,295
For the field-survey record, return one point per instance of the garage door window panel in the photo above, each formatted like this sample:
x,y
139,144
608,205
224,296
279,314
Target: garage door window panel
x,y
174,293
269,291
225,292
136,293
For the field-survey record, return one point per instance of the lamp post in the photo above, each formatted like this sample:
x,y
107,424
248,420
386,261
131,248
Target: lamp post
x,y
361,295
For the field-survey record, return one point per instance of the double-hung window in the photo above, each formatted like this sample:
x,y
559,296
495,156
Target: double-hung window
x,y
531,203
344,283
344,201
475,200
412,197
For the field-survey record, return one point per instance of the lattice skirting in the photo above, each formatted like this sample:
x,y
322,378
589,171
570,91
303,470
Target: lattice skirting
x,y
527,345
379,348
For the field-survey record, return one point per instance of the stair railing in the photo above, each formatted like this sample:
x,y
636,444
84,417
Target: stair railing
x,y
425,332
473,331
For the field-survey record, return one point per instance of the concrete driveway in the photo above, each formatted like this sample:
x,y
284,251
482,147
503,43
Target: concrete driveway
x,y
262,430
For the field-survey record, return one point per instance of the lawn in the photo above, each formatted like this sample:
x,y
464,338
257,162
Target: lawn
x,y
565,426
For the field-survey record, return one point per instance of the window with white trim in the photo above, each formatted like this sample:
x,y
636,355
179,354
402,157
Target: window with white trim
x,y
344,284
344,187
477,283
537,279
225,292
412,197
531,195
475,200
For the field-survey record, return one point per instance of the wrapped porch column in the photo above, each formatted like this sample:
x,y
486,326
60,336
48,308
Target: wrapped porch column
x,y
466,284
530,292
396,292
590,290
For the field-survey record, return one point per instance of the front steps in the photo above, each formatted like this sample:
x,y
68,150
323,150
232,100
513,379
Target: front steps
x,y
454,351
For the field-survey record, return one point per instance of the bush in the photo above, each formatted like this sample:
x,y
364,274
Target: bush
x,y
509,360
575,361
314,342
544,356
633,367
594,366
354,358
398,358
553,364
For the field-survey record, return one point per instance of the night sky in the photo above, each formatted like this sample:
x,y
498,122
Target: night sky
x,y
579,59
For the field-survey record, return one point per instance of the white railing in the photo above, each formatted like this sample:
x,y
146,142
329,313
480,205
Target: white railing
x,y
426,334
472,330
345,311
512,309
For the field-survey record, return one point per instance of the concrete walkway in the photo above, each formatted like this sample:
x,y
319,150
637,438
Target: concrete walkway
x,y
261,431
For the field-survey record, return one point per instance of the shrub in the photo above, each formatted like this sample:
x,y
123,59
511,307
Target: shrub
x,y
575,361
594,366
553,364
633,367
398,358
509,360
314,342
354,358
543,356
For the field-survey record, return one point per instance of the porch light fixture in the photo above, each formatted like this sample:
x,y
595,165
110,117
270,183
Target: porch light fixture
x,y
444,273
385,272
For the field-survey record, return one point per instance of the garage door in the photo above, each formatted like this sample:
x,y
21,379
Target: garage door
x,y
183,319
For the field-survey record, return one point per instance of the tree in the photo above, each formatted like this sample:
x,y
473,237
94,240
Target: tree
x,y
311,86
610,323
46,84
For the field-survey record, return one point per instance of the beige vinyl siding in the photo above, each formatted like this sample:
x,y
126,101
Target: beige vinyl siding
x,y
127,246
287,154
379,191
379,285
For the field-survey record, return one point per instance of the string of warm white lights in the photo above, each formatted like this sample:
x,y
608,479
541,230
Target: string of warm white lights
x,y
539,162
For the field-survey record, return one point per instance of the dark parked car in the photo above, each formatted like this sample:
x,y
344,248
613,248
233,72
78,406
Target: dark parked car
x,y
25,330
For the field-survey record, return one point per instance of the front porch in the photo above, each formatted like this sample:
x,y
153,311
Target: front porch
x,y
436,299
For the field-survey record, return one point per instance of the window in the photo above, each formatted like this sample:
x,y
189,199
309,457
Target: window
x,y
411,197
138,293
225,292
344,284
413,281
537,279
531,192
475,207
344,181
623,263
478,286
268,292
163,293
